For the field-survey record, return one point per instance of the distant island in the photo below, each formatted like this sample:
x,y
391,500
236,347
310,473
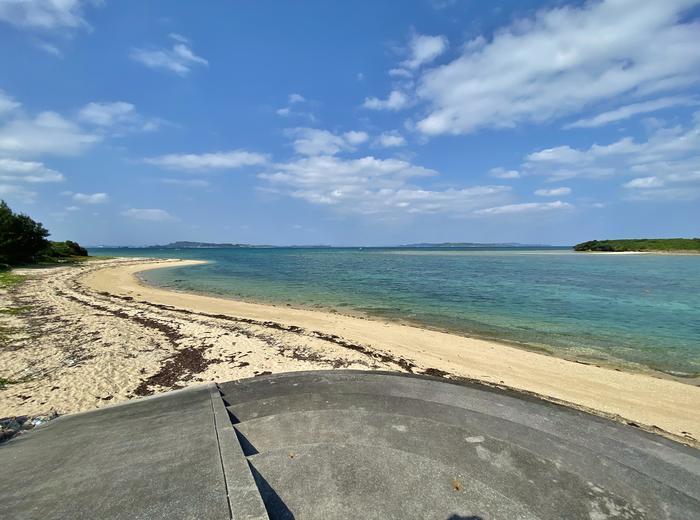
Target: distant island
x,y
201,245
472,244
183,244
659,245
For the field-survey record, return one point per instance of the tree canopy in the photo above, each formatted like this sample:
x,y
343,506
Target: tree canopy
x,y
22,240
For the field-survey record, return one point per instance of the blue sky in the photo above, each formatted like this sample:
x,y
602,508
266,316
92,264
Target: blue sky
x,y
351,123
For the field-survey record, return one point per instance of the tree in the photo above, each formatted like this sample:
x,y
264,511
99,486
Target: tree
x,y
22,240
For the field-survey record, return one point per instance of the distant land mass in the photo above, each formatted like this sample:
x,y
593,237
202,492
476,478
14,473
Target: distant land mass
x,y
473,244
668,245
226,245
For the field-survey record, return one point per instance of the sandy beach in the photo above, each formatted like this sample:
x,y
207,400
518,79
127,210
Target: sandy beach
x,y
93,334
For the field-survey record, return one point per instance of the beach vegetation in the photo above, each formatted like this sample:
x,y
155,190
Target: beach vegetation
x,y
24,241
9,279
691,245
15,311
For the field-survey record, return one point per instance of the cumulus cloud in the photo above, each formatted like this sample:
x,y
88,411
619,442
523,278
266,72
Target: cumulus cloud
x,y
560,61
13,170
295,102
314,141
668,158
91,198
396,101
118,116
527,207
179,59
11,191
7,104
47,133
106,114
149,214
553,192
634,109
372,186
424,49
390,140
502,173
644,183
207,161
45,14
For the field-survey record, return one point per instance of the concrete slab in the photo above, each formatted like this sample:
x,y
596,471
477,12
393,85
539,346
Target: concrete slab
x,y
155,458
344,444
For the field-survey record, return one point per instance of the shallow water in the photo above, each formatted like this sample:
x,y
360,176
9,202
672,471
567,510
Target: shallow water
x,y
636,308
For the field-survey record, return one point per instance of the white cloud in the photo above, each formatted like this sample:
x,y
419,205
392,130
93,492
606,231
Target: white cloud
x,y
149,214
400,73
527,207
314,141
502,173
91,198
290,110
668,158
50,48
47,133
178,38
45,14
119,116
106,114
424,49
191,183
7,104
553,192
355,137
396,101
561,61
372,186
17,192
645,182
179,59
390,140
13,170
634,109
208,161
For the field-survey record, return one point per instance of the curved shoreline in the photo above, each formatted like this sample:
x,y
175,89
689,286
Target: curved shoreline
x,y
651,402
590,357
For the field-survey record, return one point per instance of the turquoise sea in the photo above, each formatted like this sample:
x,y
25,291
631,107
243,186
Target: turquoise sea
x,y
641,309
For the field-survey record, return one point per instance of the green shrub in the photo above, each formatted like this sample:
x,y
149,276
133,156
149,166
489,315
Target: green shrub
x,y
22,240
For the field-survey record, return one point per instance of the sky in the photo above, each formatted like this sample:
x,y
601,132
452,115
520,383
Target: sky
x,y
351,123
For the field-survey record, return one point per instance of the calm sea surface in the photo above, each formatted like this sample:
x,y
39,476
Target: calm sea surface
x,y
632,308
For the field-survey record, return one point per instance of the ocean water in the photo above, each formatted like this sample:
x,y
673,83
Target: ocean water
x,y
638,309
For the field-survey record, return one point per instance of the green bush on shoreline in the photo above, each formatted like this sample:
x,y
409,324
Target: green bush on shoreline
x,y
642,244
24,241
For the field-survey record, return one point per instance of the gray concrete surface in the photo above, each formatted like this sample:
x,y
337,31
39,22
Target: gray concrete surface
x,y
345,444
155,458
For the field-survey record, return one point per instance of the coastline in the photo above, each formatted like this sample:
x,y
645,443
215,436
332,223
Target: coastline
x,y
95,334
643,399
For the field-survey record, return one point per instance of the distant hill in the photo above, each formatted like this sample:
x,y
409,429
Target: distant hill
x,y
472,244
225,245
669,245
200,245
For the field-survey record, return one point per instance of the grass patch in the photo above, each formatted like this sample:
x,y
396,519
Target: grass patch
x,y
15,311
8,279
4,382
